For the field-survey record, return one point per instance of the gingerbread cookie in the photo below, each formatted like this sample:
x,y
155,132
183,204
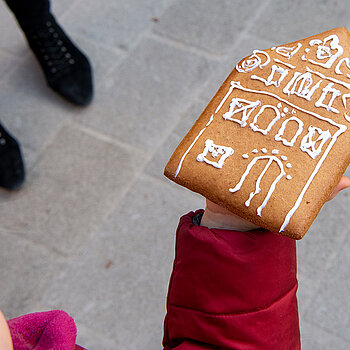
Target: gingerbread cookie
x,y
274,141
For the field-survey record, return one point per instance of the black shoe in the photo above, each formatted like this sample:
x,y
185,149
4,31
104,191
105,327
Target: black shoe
x,y
12,172
67,70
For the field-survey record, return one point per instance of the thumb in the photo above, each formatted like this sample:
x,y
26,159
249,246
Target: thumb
x,y
343,184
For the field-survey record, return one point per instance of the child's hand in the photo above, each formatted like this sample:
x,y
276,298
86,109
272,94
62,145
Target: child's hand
x,y
217,217
5,337
342,185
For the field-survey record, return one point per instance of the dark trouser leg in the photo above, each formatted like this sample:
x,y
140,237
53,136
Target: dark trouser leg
x,y
29,12
12,172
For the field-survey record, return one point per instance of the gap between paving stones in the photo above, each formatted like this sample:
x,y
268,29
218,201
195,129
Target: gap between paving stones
x,y
178,44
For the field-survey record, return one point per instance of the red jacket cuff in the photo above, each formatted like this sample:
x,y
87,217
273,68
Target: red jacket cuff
x,y
232,289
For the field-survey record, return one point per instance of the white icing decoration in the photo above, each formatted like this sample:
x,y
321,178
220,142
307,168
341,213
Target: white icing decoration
x,y
347,62
275,151
335,93
294,112
279,105
344,97
215,150
315,42
284,158
324,52
239,105
305,89
280,133
337,81
269,81
273,48
245,156
237,85
341,129
286,64
255,150
224,99
264,150
210,120
255,127
285,110
253,62
288,51
307,50
303,58
289,177
289,165
257,187
189,148
283,114
308,145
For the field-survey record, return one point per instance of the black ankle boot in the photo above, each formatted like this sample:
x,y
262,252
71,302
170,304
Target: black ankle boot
x,y
12,172
67,70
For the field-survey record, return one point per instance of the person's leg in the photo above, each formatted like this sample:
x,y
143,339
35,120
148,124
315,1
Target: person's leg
x,y
67,70
12,171
29,12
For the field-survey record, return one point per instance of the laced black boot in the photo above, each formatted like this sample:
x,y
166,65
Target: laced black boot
x,y
67,70
12,172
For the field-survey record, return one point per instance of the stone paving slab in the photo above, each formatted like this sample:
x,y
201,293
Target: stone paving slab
x,y
331,224
7,65
243,47
93,339
11,37
287,21
124,269
60,8
27,109
115,23
70,190
143,95
314,337
26,271
204,24
329,309
155,166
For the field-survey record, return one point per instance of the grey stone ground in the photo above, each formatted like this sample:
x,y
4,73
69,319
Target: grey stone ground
x,y
92,230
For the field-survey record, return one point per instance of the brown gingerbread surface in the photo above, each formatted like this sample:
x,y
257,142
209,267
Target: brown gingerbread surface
x,y
274,141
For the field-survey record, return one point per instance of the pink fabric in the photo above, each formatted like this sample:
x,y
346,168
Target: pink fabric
x,y
232,290
43,330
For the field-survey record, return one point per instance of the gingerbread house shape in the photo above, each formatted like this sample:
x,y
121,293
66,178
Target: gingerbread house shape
x,y
274,141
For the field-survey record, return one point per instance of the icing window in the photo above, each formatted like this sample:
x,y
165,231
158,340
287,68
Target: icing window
x,y
263,112
329,89
220,152
242,108
313,142
302,85
275,70
281,131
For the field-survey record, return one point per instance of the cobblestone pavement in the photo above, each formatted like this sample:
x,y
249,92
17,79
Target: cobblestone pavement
x,y
92,230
